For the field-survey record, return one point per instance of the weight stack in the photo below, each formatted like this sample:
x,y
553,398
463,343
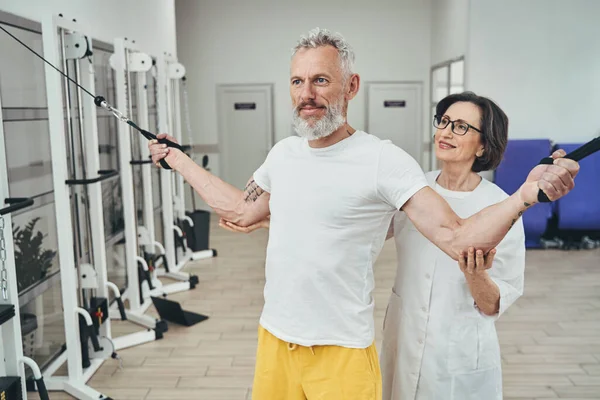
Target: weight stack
x,y
98,304
10,388
198,235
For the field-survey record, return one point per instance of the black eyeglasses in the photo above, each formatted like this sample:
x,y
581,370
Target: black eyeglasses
x,y
458,127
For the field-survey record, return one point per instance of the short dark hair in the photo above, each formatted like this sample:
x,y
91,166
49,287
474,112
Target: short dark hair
x,y
494,128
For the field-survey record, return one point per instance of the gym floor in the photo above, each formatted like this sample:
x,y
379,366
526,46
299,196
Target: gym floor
x,y
549,338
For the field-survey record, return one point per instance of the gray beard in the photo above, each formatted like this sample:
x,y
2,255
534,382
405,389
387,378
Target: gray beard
x,y
321,128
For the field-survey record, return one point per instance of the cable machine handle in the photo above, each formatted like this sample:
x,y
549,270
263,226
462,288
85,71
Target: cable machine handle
x,y
121,309
151,136
101,102
103,175
18,203
140,162
576,155
94,338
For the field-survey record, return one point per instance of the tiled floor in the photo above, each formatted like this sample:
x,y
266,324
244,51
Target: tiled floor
x,y
550,338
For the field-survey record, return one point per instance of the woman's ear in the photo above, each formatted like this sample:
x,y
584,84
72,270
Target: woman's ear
x,y
480,152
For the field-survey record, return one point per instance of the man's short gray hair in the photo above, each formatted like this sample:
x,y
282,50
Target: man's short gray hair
x,y
322,37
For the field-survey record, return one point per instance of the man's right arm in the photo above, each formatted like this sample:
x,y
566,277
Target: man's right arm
x,y
243,208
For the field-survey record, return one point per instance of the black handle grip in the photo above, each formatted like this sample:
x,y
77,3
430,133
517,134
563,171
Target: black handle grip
x,y
148,278
18,203
41,387
578,154
151,136
121,309
585,150
163,163
542,198
140,162
103,175
95,342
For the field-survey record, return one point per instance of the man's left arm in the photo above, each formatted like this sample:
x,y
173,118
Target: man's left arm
x,y
436,220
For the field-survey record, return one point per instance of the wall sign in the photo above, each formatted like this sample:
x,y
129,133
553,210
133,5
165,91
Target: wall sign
x,y
245,106
394,103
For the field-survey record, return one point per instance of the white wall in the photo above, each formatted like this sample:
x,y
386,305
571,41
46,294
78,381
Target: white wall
x,y
238,41
151,23
540,60
449,29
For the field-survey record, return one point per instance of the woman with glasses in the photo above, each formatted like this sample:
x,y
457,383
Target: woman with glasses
x,y
439,339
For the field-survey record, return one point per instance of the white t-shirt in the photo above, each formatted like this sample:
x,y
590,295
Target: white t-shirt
x,y
330,212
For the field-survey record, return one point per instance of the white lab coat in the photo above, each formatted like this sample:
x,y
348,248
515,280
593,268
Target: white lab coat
x,y
437,344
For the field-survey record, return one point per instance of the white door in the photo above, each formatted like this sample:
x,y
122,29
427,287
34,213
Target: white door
x,y
245,130
394,112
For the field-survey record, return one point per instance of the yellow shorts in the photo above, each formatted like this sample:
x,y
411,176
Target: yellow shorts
x,y
286,371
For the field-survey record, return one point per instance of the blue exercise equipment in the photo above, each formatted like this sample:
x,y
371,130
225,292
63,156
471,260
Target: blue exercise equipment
x,y
520,157
580,209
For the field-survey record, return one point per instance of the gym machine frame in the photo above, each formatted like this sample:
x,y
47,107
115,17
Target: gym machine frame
x,y
12,361
74,45
128,59
170,74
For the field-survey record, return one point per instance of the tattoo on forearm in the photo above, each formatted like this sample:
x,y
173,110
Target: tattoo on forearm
x,y
527,205
252,192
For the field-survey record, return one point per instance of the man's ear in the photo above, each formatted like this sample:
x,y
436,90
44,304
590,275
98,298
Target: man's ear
x,y
353,86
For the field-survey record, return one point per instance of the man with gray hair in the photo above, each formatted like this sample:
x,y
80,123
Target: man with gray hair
x,y
316,128
331,193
